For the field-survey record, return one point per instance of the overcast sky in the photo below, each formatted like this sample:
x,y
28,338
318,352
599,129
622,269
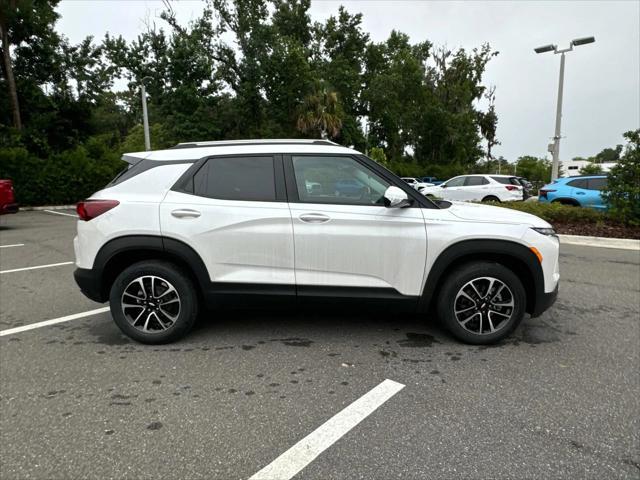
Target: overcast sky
x,y
602,80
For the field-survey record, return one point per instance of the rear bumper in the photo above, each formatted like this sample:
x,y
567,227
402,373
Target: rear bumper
x,y
9,208
544,302
90,284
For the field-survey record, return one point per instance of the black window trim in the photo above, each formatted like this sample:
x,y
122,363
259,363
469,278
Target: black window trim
x,y
292,187
185,182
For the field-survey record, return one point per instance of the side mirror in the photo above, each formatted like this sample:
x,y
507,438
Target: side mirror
x,y
443,185
395,197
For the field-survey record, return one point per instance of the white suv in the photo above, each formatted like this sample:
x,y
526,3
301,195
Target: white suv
x,y
478,188
214,222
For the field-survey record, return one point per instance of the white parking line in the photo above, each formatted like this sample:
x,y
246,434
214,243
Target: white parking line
x,y
306,450
35,268
68,318
60,213
14,245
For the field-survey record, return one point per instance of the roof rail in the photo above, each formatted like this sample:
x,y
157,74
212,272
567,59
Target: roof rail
x,y
233,143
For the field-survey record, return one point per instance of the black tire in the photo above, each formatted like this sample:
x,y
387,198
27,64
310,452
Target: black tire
x,y
166,275
477,271
490,198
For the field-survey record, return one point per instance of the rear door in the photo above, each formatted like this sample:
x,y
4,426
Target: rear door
x,y
233,212
475,188
578,190
352,241
594,193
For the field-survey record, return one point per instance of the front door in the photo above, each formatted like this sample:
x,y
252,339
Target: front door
x,y
347,237
454,189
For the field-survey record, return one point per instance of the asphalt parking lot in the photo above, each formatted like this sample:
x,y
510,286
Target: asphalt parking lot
x,y
561,398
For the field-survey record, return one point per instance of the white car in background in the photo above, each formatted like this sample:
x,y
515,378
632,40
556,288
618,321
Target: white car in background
x,y
416,184
478,188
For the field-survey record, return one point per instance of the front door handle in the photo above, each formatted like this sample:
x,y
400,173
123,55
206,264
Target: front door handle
x,y
579,193
314,218
185,213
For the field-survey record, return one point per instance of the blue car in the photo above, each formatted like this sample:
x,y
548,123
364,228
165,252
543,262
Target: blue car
x,y
348,188
583,191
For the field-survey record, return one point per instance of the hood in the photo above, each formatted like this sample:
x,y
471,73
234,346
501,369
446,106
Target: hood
x,y
487,213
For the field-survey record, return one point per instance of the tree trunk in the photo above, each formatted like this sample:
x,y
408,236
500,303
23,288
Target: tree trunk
x,y
8,72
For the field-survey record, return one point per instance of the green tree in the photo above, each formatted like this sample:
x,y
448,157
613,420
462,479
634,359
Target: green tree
x,y
591,169
623,187
320,114
534,169
377,154
29,54
339,45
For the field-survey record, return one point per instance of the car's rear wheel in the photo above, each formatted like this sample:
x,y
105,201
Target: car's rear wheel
x,y
154,302
490,198
481,302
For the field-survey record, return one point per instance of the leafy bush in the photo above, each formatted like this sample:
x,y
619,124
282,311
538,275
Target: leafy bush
x,y
623,189
64,177
557,213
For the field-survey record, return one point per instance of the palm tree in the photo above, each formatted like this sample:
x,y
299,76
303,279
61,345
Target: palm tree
x,y
320,113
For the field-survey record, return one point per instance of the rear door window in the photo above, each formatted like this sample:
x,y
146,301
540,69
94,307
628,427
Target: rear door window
x,y
475,181
596,183
237,178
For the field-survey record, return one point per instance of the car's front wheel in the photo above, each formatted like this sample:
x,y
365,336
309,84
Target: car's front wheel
x,y
154,302
481,302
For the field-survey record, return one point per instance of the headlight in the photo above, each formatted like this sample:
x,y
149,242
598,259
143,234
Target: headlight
x,y
546,231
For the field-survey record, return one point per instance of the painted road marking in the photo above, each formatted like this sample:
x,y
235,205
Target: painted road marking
x,y
68,318
306,450
36,267
14,245
60,213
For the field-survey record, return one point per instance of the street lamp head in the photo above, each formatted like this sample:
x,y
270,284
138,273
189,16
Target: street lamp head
x,y
545,48
146,79
582,41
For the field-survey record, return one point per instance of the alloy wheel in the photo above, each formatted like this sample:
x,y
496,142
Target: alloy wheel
x,y
484,305
150,304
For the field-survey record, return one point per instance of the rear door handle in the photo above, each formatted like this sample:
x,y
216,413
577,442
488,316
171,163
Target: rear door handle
x,y
185,213
579,193
314,218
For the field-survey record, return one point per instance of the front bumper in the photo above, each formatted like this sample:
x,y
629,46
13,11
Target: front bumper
x,y
9,208
544,302
90,284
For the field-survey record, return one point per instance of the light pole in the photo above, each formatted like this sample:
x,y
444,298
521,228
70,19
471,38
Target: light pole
x,y
556,138
145,117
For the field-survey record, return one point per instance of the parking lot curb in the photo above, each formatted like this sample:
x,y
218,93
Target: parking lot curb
x,y
48,207
602,242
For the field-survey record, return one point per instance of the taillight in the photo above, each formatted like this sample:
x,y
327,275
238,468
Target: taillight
x,y
543,193
511,188
90,209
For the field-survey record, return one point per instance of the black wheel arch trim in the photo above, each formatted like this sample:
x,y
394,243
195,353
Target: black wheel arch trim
x,y
488,249
166,247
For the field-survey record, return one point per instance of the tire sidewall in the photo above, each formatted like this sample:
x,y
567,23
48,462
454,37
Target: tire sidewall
x,y
467,273
181,282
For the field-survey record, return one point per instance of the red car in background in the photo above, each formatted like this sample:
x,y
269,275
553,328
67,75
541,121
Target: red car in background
x,y
7,198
